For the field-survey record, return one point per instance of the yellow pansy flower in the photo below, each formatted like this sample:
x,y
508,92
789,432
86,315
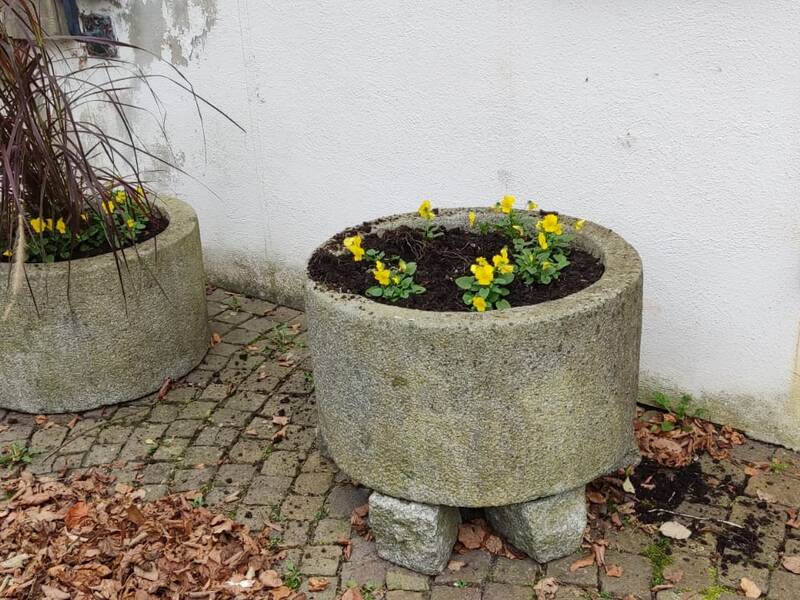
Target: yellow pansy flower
x,y
542,241
49,224
479,304
121,196
483,271
551,225
139,191
108,207
61,227
402,266
84,217
579,224
501,261
507,204
396,279
131,223
38,225
546,264
381,273
532,205
472,218
7,253
353,244
425,211
519,230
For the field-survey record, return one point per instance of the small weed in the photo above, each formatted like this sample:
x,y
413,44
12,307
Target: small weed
x,y
606,596
291,576
234,304
200,498
320,514
715,590
231,514
368,592
275,514
267,451
281,337
308,376
460,584
15,454
681,410
659,555
777,466
275,542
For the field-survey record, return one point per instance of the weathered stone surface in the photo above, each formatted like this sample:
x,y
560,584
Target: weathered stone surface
x,y
427,418
412,535
545,529
80,307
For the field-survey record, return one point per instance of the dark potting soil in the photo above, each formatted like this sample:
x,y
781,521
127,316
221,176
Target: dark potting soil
x,y
439,263
155,225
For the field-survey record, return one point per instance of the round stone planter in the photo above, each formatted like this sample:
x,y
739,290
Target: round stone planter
x,y
92,345
516,409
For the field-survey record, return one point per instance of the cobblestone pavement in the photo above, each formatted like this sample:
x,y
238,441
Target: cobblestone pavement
x,y
213,432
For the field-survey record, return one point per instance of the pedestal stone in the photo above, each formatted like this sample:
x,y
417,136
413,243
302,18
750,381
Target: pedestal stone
x,y
545,529
417,536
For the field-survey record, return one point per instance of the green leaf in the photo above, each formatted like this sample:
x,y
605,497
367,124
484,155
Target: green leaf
x,y
667,426
418,289
502,305
465,282
411,268
484,292
375,291
467,297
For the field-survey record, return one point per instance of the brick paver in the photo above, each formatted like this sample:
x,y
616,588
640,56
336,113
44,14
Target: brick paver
x,y
216,432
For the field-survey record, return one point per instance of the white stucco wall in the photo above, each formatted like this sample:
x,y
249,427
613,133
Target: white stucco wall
x,y
675,123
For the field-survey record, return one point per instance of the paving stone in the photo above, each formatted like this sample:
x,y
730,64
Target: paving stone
x,y
154,492
258,382
202,455
342,500
81,437
223,499
766,520
221,349
157,473
212,435
630,539
213,362
517,572
398,578
780,487
787,462
15,433
332,531
48,439
247,452
365,567
730,574
301,508
696,571
259,325
403,595
185,428
247,402
574,593
503,591
197,410
181,395
164,413
635,578
267,490
313,484
198,377
170,449
101,454
784,585
67,461
282,463
321,560
297,438
232,317
215,392
475,569
191,479
559,569
316,463
443,592
254,516
727,472
255,306
305,416
752,451
297,384
115,434
226,417
295,533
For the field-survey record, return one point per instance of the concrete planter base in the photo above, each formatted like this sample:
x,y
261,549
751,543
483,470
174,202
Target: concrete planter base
x,y
91,345
484,410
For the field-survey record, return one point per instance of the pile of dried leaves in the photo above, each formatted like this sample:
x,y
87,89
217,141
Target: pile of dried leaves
x,y
87,537
675,442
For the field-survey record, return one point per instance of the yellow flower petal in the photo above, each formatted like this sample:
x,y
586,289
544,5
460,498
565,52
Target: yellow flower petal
x,y
479,303
472,218
543,241
425,211
579,224
507,204
61,227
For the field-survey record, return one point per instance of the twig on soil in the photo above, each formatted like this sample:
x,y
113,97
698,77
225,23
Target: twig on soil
x,y
672,512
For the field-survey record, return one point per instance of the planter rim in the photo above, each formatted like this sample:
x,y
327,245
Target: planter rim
x,y
623,268
180,215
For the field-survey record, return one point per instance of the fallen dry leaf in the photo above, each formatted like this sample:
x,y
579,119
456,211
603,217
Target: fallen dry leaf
x,y
352,594
614,571
215,339
791,564
76,513
768,498
471,535
165,388
750,589
270,579
581,563
673,574
456,565
546,589
317,584
280,593
279,420
675,531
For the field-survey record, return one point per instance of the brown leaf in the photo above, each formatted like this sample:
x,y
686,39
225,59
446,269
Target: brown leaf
x,y
135,515
673,574
471,535
280,593
150,573
750,589
280,434
53,593
352,594
546,589
165,388
76,513
270,579
596,497
614,571
456,565
791,564
215,339
317,584
278,420
581,563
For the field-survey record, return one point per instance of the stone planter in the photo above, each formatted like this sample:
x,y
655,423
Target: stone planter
x,y
513,410
91,346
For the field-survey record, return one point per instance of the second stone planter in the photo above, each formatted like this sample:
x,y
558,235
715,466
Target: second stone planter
x,y
513,411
